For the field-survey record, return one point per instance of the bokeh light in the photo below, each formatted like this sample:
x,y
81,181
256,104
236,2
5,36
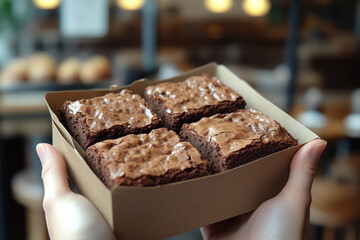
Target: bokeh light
x,y
130,5
218,6
46,4
256,8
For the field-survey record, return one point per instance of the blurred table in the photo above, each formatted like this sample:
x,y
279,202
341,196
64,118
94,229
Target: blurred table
x,y
335,205
336,106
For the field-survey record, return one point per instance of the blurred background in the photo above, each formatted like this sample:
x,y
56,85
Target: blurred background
x,y
302,55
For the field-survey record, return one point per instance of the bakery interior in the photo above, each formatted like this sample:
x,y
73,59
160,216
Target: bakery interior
x,y
301,55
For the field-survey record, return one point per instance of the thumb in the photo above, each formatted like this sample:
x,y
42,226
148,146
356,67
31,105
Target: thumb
x,y
53,171
302,170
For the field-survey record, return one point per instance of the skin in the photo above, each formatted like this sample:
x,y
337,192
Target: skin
x,y
68,215
286,216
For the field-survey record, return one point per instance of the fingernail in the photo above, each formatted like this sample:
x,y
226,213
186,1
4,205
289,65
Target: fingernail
x,y
317,150
41,150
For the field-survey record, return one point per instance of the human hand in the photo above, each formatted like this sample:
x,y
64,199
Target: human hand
x,y
286,216
68,215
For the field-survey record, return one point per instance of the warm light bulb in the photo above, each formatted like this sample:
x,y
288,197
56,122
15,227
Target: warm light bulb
x,y
256,8
46,4
218,6
130,5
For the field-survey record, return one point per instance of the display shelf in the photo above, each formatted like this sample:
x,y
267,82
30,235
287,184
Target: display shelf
x,y
28,99
51,86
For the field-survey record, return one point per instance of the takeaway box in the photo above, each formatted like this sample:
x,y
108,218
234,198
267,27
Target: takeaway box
x,y
163,211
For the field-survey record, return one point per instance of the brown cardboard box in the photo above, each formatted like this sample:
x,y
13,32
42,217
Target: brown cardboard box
x,y
163,211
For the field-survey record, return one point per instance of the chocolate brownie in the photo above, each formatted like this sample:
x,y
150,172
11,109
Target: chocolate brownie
x,y
192,99
233,139
107,117
145,160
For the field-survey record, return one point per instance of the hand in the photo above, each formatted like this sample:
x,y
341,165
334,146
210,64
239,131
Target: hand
x,y
285,216
68,215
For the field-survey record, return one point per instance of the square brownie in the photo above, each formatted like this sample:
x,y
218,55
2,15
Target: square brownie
x,y
233,139
107,117
145,160
192,99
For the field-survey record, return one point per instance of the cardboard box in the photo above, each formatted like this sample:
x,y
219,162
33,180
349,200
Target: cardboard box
x,y
162,211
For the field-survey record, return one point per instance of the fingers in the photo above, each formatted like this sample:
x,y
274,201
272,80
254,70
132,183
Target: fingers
x,y
68,215
53,171
303,168
225,228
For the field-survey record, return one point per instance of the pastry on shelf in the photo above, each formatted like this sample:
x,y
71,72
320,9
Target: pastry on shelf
x,y
41,68
96,69
15,72
69,71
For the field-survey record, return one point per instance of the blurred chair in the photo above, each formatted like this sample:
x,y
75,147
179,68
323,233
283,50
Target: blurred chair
x,y
28,192
347,169
335,206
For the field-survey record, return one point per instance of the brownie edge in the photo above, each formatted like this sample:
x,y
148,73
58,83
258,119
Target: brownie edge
x,y
108,117
190,100
145,160
230,140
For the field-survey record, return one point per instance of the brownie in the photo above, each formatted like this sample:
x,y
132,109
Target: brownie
x,y
107,117
145,160
233,139
190,100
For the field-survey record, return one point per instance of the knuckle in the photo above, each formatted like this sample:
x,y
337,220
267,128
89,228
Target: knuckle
x,y
310,170
45,170
46,204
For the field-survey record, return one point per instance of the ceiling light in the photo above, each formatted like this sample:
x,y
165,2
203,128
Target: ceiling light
x,y
46,4
130,5
218,6
256,8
